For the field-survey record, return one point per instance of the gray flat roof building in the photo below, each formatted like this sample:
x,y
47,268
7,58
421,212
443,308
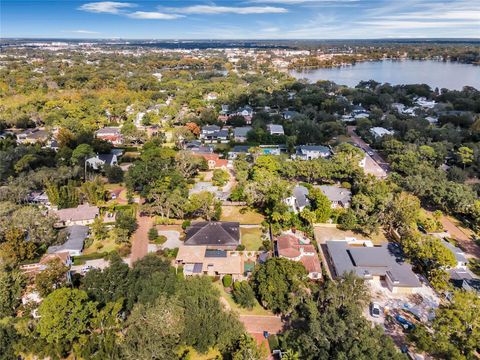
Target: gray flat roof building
x,y
368,262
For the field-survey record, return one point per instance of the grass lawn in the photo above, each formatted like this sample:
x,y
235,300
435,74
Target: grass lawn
x,y
108,246
232,213
257,309
251,238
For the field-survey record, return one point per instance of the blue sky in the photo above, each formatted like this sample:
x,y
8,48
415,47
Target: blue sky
x,y
247,19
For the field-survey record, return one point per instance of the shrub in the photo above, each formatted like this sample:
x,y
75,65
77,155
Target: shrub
x,y
152,234
185,224
240,247
227,281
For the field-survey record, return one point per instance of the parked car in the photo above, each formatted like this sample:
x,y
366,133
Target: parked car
x,y
407,325
375,310
370,153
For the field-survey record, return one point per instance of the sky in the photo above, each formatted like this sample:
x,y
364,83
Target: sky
x,y
246,19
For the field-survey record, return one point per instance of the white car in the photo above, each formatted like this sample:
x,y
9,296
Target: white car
x,y
375,310
370,153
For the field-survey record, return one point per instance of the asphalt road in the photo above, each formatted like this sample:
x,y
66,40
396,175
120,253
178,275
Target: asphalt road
x,y
365,147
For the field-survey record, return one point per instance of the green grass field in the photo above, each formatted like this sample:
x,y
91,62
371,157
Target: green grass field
x,y
251,238
232,213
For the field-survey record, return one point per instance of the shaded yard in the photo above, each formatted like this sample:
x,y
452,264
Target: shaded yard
x,y
256,310
232,213
251,238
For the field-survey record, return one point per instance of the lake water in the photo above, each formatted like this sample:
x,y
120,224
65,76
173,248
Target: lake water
x,y
439,74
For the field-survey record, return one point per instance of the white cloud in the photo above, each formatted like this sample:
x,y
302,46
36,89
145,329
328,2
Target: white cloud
x,y
153,15
213,9
293,2
81,32
110,7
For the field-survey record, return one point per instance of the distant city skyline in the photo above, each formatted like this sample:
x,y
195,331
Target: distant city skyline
x,y
248,19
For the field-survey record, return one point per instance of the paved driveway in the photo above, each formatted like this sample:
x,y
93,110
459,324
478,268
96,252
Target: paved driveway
x,y
140,238
173,239
259,324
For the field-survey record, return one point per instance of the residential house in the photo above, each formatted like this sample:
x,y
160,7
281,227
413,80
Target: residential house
x,y
81,215
311,152
246,112
200,260
372,263
371,167
217,235
288,115
32,136
238,150
99,161
462,261
379,132
338,196
213,160
296,249
432,119
213,133
240,133
38,198
76,236
424,103
299,200
275,129
211,96
35,268
110,134
359,112
273,149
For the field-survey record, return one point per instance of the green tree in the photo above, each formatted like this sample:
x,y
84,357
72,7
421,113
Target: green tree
x,y
81,153
8,338
320,204
12,283
66,316
154,332
53,277
247,349
126,220
93,191
455,331
114,173
279,284
220,177
465,155
16,248
205,205
243,294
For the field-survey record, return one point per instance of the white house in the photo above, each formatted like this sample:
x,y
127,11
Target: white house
x,y
311,152
379,132
81,215
275,129
298,201
98,161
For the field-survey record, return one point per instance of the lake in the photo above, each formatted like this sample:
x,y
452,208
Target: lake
x,y
439,74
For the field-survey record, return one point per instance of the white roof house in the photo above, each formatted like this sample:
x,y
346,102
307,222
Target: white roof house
x,y
379,132
275,129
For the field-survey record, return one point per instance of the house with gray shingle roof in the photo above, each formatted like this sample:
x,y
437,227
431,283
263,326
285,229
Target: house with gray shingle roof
x,y
76,236
221,235
338,196
299,200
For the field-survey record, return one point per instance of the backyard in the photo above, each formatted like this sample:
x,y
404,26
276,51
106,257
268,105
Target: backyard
x,y
231,304
241,214
251,238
